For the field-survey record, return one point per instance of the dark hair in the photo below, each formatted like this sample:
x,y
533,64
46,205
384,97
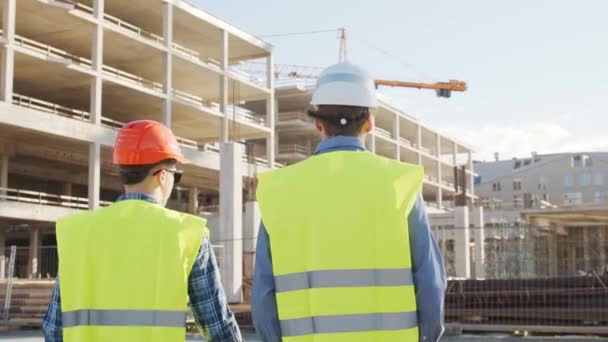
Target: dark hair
x,y
341,120
133,174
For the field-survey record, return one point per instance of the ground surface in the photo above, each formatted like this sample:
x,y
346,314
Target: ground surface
x,y
36,336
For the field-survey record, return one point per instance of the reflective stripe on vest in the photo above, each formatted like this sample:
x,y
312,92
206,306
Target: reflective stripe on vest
x,y
141,318
124,272
338,231
343,278
348,323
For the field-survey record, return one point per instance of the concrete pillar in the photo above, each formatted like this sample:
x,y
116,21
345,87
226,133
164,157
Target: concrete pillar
x,y
438,166
97,64
67,189
480,244
419,143
396,136
34,246
370,142
471,175
8,57
231,219
462,253
603,246
553,257
586,248
3,176
193,201
94,174
271,111
251,227
2,252
167,62
224,86
455,157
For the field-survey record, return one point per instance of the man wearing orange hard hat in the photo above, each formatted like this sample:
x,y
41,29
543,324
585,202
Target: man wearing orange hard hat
x,y
129,270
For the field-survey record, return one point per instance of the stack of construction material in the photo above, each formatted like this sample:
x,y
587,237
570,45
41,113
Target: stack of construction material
x,y
28,303
572,301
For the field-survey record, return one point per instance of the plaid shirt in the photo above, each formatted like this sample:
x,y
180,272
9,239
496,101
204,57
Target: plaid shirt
x,y
207,299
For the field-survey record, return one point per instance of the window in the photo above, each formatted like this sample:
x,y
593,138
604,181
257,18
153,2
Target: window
x,y
496,187
568,181
585,179
517,185
582,160
517,164
527,162
598,179
573,198
542,183
529,200
600,197
517,201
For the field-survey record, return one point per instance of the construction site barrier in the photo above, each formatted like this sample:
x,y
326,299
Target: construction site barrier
x,y
547,279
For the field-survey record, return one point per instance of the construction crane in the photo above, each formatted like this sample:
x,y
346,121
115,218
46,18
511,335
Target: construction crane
x,y
443,89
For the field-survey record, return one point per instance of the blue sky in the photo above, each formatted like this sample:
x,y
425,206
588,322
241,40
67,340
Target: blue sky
x,y
537,70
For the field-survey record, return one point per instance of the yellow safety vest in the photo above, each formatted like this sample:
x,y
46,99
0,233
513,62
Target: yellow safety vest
x,y
339,240
124,272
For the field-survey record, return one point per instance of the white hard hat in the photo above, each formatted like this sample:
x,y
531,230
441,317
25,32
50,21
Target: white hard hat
x,y
345,84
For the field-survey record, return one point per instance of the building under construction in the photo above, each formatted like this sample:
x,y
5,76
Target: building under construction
x,y
74,71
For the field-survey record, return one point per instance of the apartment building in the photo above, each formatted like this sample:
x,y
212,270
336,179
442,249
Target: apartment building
x,y
541,181
74,71
548,208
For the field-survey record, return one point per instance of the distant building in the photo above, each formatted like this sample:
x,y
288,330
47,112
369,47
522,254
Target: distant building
x,y
545,216
505,188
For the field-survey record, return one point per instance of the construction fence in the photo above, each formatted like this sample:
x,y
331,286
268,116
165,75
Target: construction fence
x,y
546,279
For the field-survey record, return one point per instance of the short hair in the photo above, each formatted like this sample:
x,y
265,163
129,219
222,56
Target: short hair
x,y
134,174
341,120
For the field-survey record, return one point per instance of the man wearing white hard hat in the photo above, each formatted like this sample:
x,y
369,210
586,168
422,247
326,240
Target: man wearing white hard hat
x,y
345,251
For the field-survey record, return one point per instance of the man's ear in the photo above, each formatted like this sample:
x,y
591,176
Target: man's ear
x,y
319,126
368,125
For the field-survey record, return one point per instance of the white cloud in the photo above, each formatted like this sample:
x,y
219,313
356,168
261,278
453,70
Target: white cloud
x,y
520,139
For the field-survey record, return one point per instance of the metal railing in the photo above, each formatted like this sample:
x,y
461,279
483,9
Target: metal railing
x,y
54,52
249,77
294,116
294,148
242,114
406,142
295,82
382,132
116,21
42,198
52,108
133,79
51,51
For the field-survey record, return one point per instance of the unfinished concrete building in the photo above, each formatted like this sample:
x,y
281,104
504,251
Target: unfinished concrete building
x,y
72,72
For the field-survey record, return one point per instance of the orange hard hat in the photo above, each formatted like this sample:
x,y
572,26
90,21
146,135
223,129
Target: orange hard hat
x,y
145,142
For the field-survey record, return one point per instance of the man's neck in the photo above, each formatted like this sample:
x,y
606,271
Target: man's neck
x,y
140,190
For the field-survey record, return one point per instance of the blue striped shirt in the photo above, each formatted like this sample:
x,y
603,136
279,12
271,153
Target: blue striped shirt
x,y
427,268
207,299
